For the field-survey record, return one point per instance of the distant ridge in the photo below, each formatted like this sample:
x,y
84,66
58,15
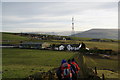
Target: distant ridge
x,y
62,33
99,33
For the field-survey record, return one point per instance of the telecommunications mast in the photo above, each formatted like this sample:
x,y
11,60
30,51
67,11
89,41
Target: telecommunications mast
x,y
73,32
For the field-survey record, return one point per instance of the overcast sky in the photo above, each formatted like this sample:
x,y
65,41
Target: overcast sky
x,y
57,16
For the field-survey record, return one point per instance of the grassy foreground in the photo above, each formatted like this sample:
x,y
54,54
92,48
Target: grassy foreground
x,y
108,67
19,63
93,61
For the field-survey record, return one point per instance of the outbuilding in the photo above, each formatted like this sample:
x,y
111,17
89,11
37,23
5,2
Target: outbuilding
x,y
31,45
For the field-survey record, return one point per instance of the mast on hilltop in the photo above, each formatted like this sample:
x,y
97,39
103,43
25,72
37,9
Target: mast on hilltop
x,y
73,32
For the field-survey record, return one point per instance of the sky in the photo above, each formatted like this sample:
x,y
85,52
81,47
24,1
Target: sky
x,y
57,16
60,0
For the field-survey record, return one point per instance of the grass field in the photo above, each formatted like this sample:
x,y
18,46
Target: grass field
x,y
19,63
102,45
93,61
108,67
14,39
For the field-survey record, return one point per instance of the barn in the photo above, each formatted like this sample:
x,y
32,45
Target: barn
x,y
31,45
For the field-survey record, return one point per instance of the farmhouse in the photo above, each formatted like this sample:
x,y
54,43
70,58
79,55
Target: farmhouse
x,y
73,47
31,45
69,47
59,47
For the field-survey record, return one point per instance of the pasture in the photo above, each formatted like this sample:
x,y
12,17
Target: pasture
x,y
102,45
20,63
9,38
109,67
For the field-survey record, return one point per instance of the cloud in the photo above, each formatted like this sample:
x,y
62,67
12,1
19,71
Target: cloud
x,y
0,16
26,9
57,16
60,0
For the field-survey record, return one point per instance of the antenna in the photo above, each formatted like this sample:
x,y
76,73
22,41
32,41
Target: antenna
x,y
73,26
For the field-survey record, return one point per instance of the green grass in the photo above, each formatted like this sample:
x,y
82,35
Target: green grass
x,y
104,66
102,45
9,38
100,63
80,38
108,74
18,63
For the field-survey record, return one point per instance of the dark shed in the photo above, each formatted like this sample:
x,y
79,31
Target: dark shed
x,y
31,45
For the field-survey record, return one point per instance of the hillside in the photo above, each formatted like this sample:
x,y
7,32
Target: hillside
x,y
11,36
62,33
99,33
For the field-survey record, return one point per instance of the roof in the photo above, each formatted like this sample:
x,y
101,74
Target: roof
x,y
32,43
72,45
75,45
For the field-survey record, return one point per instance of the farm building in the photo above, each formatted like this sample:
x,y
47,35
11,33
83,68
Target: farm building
x,y
73,47
31,45
70,47
45,45
59,47
95,40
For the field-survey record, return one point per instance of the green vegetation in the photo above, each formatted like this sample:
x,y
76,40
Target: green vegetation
x,y
108,74
19,63
14,39
102,45
99,45
100,63
108,67
80,38
11,37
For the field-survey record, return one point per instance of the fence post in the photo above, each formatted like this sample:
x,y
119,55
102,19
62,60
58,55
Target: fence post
x,y
103,77
50,75
95,70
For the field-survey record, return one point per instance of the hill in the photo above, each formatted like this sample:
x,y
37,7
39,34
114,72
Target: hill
x,y
99,33
11,36
62,33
